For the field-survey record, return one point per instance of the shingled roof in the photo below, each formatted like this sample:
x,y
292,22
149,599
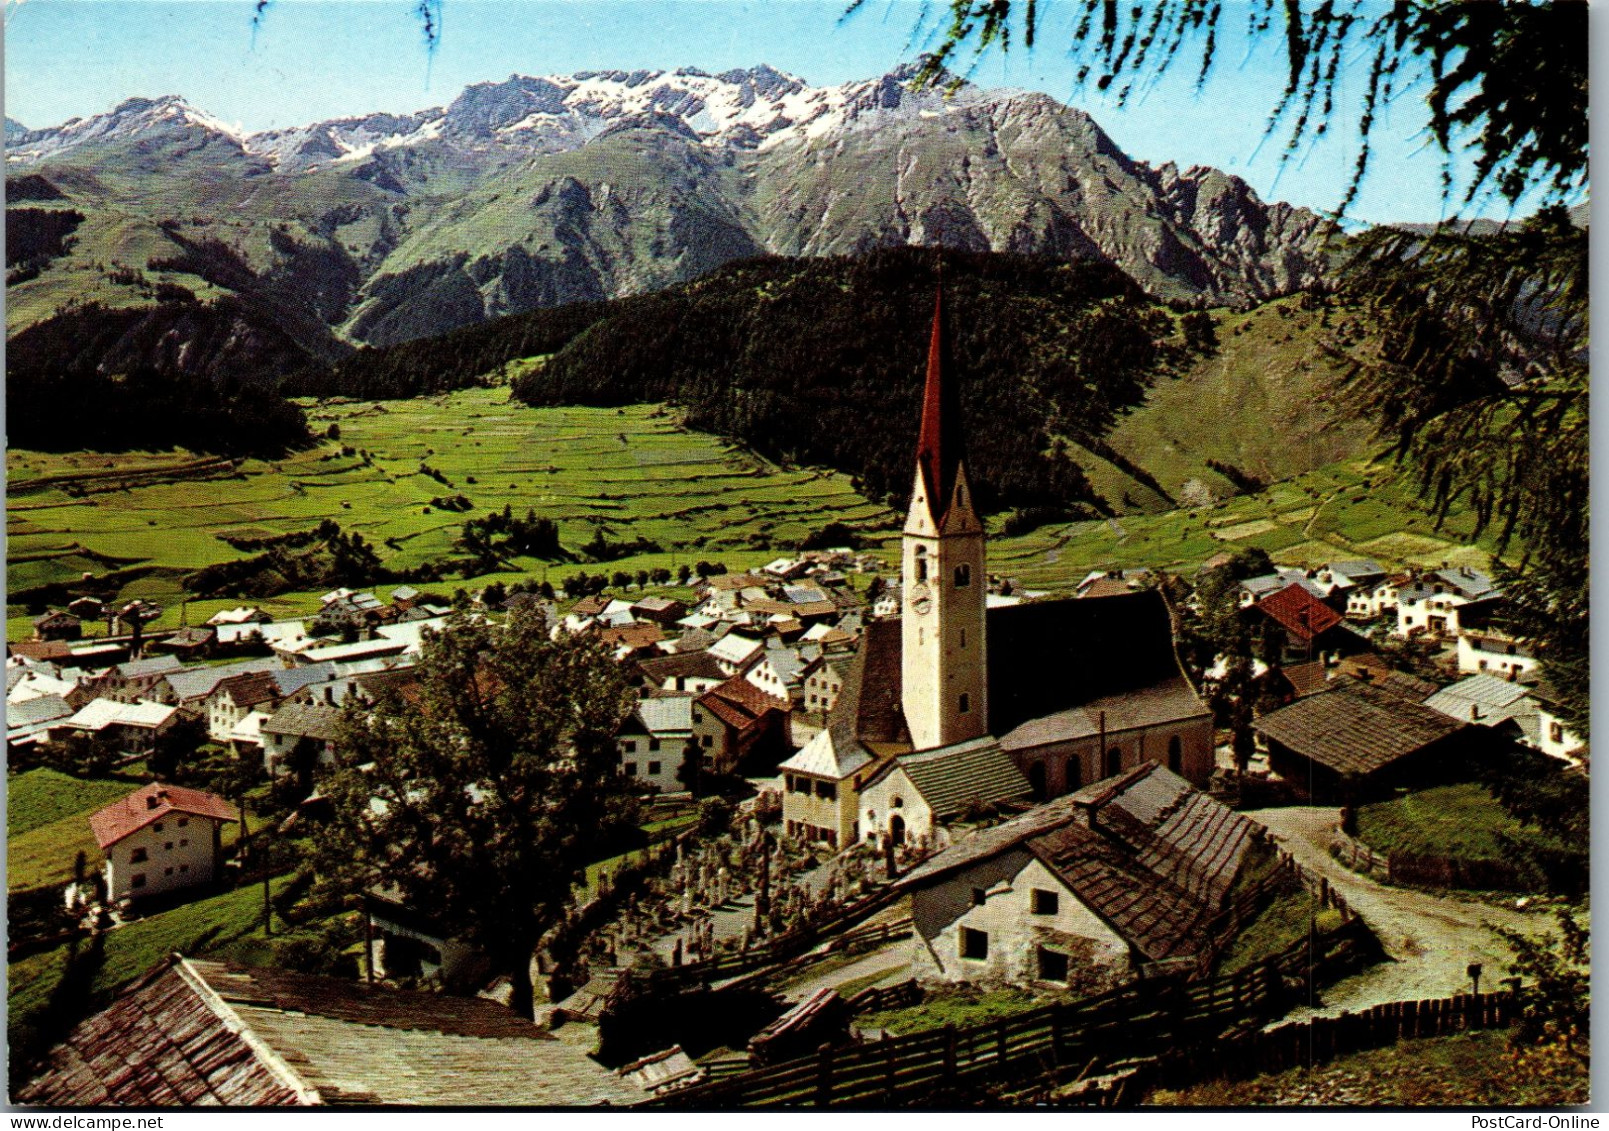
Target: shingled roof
x,y
152,803
199,1033
1354,728
1149,854
951,777
1302,615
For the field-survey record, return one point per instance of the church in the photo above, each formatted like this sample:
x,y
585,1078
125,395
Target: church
x,y
953,705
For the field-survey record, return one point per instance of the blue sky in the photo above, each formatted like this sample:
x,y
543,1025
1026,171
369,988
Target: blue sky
x,y
314,59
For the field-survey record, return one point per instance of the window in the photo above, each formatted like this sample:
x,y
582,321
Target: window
x,y
974,944
963,638
1045,902
709,740
653,768
963,576
921,563
167,871
628,747
138,856
966,703
168,847
827,790
631,769
979,896
184,867
697,718
1114,762
184,842
653,744
1555,732
1052,965
156,828
137,880
184,822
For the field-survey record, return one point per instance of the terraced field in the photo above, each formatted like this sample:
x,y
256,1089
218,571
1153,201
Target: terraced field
x,y
632,472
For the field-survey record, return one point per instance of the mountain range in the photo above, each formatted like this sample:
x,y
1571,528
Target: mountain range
x,y
534,192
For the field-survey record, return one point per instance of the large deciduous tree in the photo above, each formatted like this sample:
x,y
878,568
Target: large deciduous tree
x,y
481,799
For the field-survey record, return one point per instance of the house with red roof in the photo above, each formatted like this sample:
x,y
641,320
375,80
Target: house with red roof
x,y
737,719
161,838
1300,626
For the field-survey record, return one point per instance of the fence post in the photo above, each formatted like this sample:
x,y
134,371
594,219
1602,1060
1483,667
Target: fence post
x,y
949,1051
824,1076
889,1062
1000,1043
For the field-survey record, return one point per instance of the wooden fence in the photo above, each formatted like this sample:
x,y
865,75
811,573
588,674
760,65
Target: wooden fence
x,y
1136,1019
1307,1043
787,948
1479,873
874,998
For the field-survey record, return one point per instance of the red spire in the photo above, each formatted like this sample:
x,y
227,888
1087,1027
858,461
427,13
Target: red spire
x,y
939,449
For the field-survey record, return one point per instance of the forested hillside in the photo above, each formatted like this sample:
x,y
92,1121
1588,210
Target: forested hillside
x,y
821,361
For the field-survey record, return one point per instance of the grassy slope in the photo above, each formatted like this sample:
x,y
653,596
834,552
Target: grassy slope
x,y
1455,820
1470,1069
1261,403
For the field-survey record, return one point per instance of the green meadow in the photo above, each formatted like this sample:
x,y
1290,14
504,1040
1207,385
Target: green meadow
x,y
634,473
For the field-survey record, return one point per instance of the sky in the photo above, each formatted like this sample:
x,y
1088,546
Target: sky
x,y
310,60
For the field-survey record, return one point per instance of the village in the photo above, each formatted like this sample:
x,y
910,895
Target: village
x,y
904,823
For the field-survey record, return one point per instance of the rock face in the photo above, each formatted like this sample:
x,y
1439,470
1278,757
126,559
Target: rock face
x,y
538,191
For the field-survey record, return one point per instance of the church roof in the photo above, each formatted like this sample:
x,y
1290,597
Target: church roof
x,y
951,777
940,448
1048,658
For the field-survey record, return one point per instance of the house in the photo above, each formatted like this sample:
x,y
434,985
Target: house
x,y
190,687
28,722
58,625
653,742
1113,582
1064,691
1555,738
1435,604
911,795
1299,626
780,672
694,672
1486,644
631,640
823,680
1254,589
1371,601
1349,577
1356,741
133,680
1082,892
663,611
1491,702
404,597
243,614
134,727
238,695
199,1034
189,644
291,725
161,838
87,608
736,722
736,651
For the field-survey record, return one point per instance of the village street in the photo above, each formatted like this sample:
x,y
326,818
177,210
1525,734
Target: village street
x,y
1431,939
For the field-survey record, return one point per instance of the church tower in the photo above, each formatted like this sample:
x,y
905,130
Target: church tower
x,y
944,684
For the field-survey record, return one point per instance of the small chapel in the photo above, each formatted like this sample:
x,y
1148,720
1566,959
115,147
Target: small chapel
x,y
953,705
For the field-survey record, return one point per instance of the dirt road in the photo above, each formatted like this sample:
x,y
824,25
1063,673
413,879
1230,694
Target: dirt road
x,y
1431,939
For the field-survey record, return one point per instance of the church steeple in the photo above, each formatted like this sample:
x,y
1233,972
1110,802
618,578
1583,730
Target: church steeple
x,y
944,685
940,448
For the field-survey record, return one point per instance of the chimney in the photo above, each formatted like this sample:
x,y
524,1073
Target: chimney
x,y
1474,712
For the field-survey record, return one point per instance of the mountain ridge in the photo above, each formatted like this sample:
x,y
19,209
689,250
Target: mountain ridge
x,y
537,191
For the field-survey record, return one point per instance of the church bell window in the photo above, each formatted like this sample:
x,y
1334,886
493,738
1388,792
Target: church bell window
x,y
963,576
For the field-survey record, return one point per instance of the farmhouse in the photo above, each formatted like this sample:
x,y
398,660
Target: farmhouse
x,y
737,720
1064,691
202,1034
135,727
1354,741
161,838
293,724
1300,626
58,625
1082,891
653,741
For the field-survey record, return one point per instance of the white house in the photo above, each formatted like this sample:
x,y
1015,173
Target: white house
x,y
653,742
294,723
1492,650
735,652
161,838
135,726
1083,890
